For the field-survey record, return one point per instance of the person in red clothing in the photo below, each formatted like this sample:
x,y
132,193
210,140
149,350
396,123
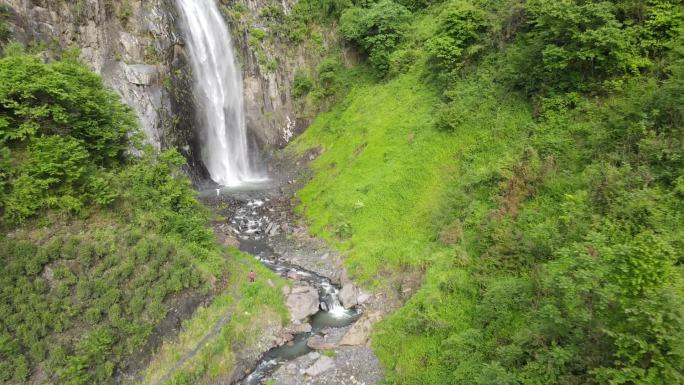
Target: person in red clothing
x,y
252,275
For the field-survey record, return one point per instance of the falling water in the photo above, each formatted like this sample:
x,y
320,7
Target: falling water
x,y
218,93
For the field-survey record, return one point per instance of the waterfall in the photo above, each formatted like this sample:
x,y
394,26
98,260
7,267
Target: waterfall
x,y
218,94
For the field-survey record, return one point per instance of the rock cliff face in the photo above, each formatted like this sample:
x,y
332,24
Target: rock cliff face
x,y
138,49
269,64
134,46
122,41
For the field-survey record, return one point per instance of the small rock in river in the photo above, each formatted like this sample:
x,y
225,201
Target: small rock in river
x,y
274,230
301,328
319,343
321,365
287,337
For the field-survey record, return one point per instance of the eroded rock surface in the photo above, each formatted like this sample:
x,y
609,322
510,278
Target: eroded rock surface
x,y
128,43
359,332
345,366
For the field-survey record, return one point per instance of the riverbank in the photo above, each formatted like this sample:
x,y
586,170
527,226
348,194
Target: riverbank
x,y
302,321
220,338
262,222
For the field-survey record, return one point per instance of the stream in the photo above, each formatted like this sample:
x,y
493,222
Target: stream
x,y
250,221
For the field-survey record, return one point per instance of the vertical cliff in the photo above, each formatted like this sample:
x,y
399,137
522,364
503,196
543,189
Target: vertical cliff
x,y
139,50
270,60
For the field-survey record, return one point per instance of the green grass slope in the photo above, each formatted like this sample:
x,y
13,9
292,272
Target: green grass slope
x,y
379,191
381,180
532,179
248,309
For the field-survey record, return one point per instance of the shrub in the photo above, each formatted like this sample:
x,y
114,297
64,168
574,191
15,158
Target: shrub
x,y
463,28
377,30
5,33
327,72
125,12
401,60
415,5
65,99
321,10
257,33
59,127
575,45
301,84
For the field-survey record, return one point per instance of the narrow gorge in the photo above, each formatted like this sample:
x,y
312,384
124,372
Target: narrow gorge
x,y
176,65
328,192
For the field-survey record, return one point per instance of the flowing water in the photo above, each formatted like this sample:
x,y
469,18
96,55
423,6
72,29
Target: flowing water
x,y
250,222
218,95
226,155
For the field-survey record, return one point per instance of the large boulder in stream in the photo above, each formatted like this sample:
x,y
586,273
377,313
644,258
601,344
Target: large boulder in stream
x,y
302,302
348,295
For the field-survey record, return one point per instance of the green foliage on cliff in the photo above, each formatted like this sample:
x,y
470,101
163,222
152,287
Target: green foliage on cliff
x,y
524,162
5,33
96,245
377,30
61,128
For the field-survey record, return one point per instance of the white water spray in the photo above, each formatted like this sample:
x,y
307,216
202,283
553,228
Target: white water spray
x,y
218,94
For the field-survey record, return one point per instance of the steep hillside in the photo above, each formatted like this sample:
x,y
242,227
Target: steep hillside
x,y
525,160
103,253
512,171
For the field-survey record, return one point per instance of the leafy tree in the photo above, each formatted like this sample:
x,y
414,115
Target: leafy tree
x,y
377,30
62,98
59,130
572,45
302,84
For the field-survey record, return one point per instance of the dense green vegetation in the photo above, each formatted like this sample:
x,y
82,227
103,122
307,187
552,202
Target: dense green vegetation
x,y
63,131
94,243
320,81
526,160
522,160
5,33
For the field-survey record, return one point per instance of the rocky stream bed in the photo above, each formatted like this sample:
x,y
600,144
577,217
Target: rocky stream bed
x,y
326,341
